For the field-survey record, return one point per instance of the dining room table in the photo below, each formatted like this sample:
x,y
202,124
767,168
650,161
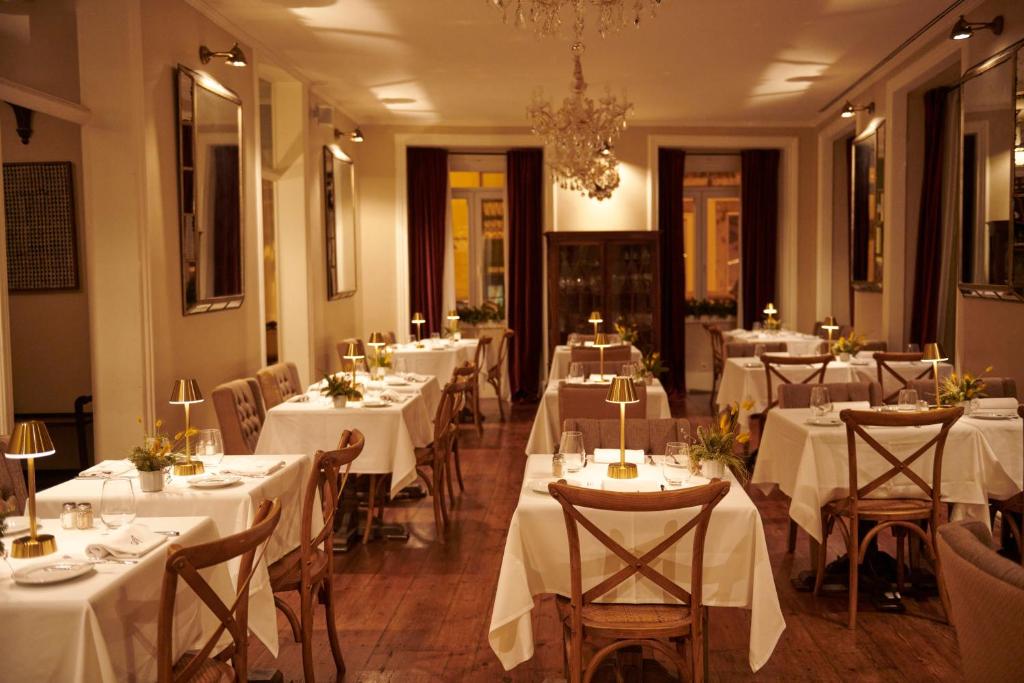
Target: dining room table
x,y
737,568
561,357
437,357
231,508
98,623
797,343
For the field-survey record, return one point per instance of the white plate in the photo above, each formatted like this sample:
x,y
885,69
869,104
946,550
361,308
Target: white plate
x,y
214,481
52,571
375,404
396,384
17,524
982,415
824,421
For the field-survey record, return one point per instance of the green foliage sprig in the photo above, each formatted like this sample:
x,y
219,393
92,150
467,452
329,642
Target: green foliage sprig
x,y
336,386
653,364
716,308
851,344
717,441
957,388
156,451
486,313
627,331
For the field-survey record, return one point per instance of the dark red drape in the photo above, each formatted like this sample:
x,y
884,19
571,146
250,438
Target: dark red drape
x,y
525,270
671,166
427,183
925,315
759,213
227,218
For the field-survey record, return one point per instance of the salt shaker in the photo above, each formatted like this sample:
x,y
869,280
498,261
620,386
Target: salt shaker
x,y
83,516
557,465
68,515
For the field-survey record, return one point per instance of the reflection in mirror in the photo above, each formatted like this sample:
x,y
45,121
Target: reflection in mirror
x,y
209,159
339,223
1017,268
866,220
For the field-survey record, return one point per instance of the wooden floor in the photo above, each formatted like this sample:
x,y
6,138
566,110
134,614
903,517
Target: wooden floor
x,y
419,611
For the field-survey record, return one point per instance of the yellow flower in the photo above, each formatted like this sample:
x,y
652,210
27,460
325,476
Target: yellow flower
x,y
743,438
747,404
988,369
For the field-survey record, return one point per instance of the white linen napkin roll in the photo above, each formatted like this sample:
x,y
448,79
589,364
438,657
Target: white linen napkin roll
x,y
605,456
131,542
107,469
998,403
251,468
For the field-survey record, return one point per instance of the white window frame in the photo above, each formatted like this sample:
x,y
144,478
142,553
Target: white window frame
x,y
700,195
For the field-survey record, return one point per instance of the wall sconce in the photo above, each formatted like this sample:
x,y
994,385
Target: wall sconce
x,y
234,56
963,29
355,136
849,111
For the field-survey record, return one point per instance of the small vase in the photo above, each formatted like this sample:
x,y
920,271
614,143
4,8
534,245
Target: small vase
x,y
712,469
151,482
339,401
844,357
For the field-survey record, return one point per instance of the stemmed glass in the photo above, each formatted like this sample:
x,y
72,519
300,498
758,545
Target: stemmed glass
x,y
572,450
821,401
117,503
907,400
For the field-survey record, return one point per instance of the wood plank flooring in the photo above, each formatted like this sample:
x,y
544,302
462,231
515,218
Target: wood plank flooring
x,y
418,611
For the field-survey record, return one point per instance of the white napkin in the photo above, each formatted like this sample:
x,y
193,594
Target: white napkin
x,y
108,469
251,468
607,456
413,377
391,397
630,485
395,379
997,403
597,379
131,542
851,405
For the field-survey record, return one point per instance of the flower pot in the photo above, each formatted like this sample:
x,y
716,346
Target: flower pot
x,y
151,482
339,401
844,357
712,469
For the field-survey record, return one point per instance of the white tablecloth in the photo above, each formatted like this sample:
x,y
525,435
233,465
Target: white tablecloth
x,y
435,358
563,356
797,343
392,433
547,424
100,627
232,510
737,572
809,464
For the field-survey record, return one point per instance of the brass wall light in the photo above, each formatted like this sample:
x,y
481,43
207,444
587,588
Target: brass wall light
x,y
963,29
233,57
355,135
849,111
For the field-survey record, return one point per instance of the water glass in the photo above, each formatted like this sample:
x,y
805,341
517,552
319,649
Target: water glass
x,y
821,401
117,503
571,449
576,371
913,348
574,340
676,465
208,447
907,400
759,350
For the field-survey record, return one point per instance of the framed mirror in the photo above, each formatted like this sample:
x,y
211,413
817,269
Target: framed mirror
x,y
867,189
209,193
992,177
339,222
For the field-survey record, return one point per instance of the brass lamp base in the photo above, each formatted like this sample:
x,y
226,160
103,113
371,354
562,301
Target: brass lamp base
x,y
188,468
26,546
622,470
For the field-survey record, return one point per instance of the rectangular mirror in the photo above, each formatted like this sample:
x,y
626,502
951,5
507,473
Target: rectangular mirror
x,y
339,222
210,193
867,184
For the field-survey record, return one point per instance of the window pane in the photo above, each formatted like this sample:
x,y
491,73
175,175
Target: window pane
x,y
464,179
723,247
690,245
493,179
460,249
492,223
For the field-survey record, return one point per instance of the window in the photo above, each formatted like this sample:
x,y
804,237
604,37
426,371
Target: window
x,y
711,225
478,228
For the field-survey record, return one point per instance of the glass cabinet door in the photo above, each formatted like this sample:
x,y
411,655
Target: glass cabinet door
x,y
580,287
631,288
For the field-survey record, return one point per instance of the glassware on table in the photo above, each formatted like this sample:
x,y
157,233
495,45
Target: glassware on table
x,y
208,447
435,336
117,503
571,448
676,465
907,400
759,351
821,401
973,406
400,365
576,371
573,340
913,348
756,326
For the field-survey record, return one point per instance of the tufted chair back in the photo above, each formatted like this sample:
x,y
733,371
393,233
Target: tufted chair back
x,y
13,492
647,435
278,383
587,400
240,414
746,349
799,395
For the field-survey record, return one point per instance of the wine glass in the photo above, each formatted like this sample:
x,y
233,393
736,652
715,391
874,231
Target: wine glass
x,y
117,503
907,400
572,450
676,465
913,348
209,447
759,350
821,401
576,372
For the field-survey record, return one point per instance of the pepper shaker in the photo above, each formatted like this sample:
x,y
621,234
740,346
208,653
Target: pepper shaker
x,y
83,516
557,465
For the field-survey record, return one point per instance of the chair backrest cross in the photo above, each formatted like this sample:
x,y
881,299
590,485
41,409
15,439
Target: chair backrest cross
x,y
883,360
817,365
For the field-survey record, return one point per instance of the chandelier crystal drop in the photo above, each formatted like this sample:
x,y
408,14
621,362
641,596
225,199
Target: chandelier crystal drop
x,y
579,137
546,15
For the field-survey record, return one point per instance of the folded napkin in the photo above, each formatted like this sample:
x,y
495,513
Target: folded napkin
x,y
850,405
131,542
395,379
596,378
997,403
413,377
251,468
391,397
606,456
108,469
630,485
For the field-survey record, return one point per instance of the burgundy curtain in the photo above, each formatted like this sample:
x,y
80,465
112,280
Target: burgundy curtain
x,y
759,213
227,221
925,314
671,166
427,183
525,270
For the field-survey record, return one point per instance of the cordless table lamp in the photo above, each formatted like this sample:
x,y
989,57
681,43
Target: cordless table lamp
x,y
933,354
185,392
622,392
29,441
352,354
595,320
377,340
830,325
418,320
601,343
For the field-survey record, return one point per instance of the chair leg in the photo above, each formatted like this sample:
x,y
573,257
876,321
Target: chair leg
x,y
852,551
448,477
293,621
332,628
306,617
1011,523
458,465
791,542
901,536
371,503
476,408
819,570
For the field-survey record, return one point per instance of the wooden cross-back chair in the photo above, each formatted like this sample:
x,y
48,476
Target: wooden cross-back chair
x,y
186,562
309,569
433,462
1012,510
816,375
883,358
902,514
496,372
482,347
717,357
635,624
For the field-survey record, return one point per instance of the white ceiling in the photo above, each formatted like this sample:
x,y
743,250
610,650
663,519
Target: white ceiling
x,y
456,62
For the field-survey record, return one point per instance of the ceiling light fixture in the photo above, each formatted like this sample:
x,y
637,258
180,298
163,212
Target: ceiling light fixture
x,y
355,136
233,57
849,111
546,15
963,29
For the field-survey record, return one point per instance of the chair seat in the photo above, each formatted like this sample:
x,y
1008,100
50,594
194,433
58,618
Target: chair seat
x,y
210,671
629,620
286,573
882,509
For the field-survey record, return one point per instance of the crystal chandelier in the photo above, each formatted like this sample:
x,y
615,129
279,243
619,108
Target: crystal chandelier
x,y
546,15
580,135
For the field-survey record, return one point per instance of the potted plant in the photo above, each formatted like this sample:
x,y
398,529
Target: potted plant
x,y
960,389
715,446
339,389
155,455
627,331
653,366
845,347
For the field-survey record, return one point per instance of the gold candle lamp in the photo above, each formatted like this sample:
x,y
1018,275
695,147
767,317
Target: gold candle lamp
x,y
352,354
185,392
770,311
453,321
933,354
418,320
595,319
377,341
622,392
29,441
601,343
831,326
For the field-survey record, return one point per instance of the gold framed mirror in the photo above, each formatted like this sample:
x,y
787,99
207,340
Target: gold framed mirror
x,y
339,195
867,224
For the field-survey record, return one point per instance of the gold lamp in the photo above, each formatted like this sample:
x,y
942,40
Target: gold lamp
x,y
185,392
418,320
453,321
770,311
622,392
377,340
933,354
830,325
601,343
352,354
595,319
29,441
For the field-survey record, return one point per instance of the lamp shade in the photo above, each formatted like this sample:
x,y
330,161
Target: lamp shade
x,y
185,391
933,352
377,339
621,391
453,314
595,317
30,440
601,340
352,352
418,319
830,323
770,309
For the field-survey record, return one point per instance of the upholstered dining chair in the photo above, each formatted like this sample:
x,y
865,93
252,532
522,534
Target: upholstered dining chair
x,y
13,492
995,387
593,367
746,349
799,395
885,370
496,372
647,434
875,345
390,337
717,357
819,331
309,569
583,401
616,355
667,628
240,413
346,364
433,462
901,514
1012,510
186,563
278,383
